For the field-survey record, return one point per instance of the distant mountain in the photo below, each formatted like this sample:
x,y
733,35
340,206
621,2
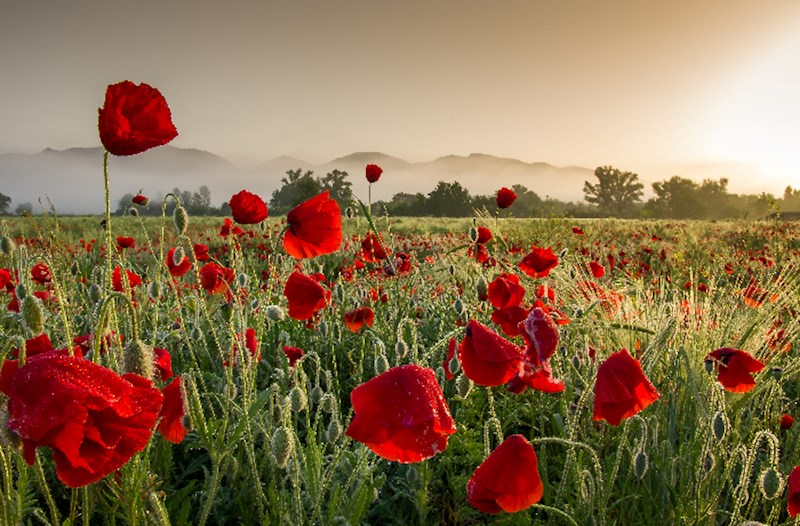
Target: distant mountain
x,y
73,178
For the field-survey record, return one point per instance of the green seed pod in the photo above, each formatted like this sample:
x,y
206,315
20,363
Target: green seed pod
x,y
327,404
7,245
378,346
381,364
454,365
275,313
138,358
640,464
349,213
338,293
32,315
334,430
482,288
281,446
181,219
720,425
463,385
95,295
770,483
452,270
242,280
298,399
458,306
473,234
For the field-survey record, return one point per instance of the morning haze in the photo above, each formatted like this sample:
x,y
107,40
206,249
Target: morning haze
x,y
696,89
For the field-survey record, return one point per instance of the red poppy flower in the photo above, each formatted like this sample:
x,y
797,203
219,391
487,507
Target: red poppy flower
x,y
505,291
505,197
484,235
357,318
173,412
177,269
215,279
40,273
577,230
163,363
486,357
479,253
201,252
541,335
787,421
116,279
134,119
508,480
793,499
508,318
373,173
125,242
621,389
597,270
293,354
229,228
5,278
315,227
538,262
140,200
401,414
93,419
754,295
306,296
248,208
372,248
736,369
250,343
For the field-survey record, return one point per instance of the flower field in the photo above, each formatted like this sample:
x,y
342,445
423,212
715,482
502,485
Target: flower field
x,y
346,367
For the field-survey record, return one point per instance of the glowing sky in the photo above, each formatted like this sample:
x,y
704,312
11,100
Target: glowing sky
x,y
682,87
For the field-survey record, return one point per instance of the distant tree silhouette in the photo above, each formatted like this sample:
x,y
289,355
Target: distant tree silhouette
x,y
616,192
295,188
5,204
449,199
677,197
339,187
24,209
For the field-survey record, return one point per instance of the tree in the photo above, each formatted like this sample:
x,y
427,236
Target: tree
x,y
677,197
5,204
616,192
450,200
339,187
295,189
24,209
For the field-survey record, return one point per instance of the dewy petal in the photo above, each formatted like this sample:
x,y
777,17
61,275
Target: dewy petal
x,y
315,228
487,358
621,389
508,480
172,413
305,295
401,414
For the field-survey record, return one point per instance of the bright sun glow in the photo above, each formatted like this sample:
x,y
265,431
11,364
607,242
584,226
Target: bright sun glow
x,y
759,121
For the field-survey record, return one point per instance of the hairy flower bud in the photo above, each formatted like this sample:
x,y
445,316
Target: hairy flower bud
x,y
298,399
138,358
640,464
7,245
32,315
770,483
181,219
275,313
381,364
720,425
463,385
334,430
281,446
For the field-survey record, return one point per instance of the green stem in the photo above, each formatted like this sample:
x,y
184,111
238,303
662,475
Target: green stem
x,y
109,241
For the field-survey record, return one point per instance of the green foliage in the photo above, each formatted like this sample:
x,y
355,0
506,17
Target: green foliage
x,y
616,192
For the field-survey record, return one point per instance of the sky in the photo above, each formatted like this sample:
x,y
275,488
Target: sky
x,y
693,88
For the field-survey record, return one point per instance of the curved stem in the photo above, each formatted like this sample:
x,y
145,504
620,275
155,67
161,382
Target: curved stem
x,y
109,246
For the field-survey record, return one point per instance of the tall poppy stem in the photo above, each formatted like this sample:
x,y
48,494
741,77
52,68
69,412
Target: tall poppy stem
x,y
109,248
369,198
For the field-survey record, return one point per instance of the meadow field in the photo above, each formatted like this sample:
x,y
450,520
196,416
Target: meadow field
x,y
260,423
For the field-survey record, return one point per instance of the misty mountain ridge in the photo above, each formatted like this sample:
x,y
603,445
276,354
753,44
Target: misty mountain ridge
x,y
72,179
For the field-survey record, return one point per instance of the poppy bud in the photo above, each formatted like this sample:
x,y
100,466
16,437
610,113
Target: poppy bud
x,y
32,315
316,394
298,399
640,464
242,280
452,270
7,245
482,288
349,212
74,268
94,293
458,306
278,259
463,386
138,358
181,219
381,364
709,462
328,404
338,291
770,483
281,446
334,430
378,346
177,256
154,290
275,313
132,211
473,234
454,365
401,348
21,292
719,425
